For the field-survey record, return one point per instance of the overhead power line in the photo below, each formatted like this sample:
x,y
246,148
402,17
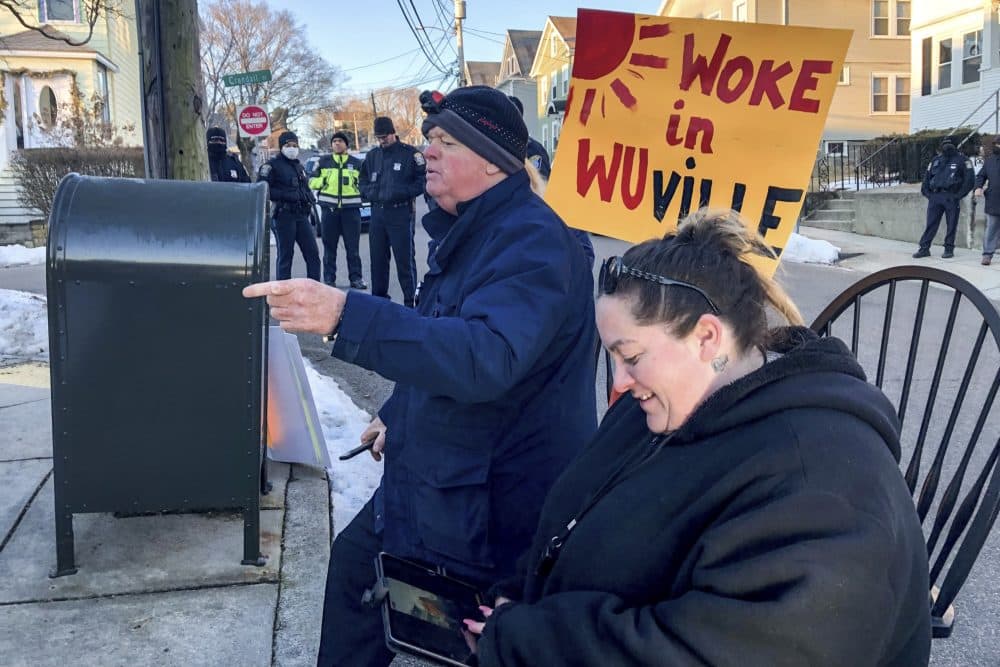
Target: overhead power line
x,y
381,62
434,59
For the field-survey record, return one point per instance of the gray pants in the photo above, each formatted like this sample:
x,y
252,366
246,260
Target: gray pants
x,y
991,238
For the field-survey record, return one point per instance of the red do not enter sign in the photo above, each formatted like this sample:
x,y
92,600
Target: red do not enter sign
x,y
253,121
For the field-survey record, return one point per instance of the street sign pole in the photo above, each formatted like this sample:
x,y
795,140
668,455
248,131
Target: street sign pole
x,y
251,79
246,78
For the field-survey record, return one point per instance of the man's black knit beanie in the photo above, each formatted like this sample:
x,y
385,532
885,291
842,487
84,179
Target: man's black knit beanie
x,y
483,119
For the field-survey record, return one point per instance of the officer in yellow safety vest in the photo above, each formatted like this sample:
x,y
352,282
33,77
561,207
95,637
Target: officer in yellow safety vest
x,y
336,180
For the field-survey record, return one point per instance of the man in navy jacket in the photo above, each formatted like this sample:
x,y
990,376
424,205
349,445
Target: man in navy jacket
x,y
494,370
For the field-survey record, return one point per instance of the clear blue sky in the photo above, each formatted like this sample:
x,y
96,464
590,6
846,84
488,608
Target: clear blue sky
x,y
370,31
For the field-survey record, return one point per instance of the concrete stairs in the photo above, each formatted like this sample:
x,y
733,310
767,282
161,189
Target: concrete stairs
x,y
836,214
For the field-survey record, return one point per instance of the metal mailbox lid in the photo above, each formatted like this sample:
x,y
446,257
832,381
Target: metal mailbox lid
x,y
157,361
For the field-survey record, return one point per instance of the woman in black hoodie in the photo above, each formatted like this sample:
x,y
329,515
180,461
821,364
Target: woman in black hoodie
x,y
741,503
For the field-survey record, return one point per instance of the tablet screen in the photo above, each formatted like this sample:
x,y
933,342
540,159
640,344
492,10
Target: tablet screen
x,y
425,609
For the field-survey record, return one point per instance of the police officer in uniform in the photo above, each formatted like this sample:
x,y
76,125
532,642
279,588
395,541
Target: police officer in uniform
x,y
536,153
291,201
950,176
391,176
223,166
336,180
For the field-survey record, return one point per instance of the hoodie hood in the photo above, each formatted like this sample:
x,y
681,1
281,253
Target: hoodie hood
x,y
812,372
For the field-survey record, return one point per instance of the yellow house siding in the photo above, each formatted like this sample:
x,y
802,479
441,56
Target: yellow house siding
x,y
547,65
851,115
125,88
114,38
701,9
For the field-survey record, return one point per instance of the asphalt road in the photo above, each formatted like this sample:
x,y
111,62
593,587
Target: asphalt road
x,y
977,635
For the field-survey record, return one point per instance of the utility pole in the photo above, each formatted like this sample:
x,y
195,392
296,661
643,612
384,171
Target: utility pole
x,y
173,125
357,139
459,17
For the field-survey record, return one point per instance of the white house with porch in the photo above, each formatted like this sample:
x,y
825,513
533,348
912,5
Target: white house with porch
x,y
37,78
955,64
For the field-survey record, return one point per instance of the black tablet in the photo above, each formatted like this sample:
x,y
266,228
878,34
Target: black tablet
x,y
423,611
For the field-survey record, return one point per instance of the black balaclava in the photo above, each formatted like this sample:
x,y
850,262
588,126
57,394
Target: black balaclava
x,y
216,150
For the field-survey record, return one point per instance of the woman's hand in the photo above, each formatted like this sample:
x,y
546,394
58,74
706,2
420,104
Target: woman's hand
x,y
474,628
376,432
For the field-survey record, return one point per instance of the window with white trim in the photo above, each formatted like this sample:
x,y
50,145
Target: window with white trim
x,y
545,137
565,80
845,76
891,18
902,94
104,92
556,126
972,55
553,46
944,64
740,11
890,93
58,10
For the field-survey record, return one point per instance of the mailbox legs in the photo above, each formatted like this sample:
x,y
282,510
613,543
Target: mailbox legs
x,y
65,561
251,538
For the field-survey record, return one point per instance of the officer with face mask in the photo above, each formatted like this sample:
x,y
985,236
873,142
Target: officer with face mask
x,y
291,202
222,166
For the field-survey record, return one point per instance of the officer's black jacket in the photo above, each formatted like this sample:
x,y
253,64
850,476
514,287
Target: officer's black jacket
x,y
950,160
228,169
383,182
538,156
287,181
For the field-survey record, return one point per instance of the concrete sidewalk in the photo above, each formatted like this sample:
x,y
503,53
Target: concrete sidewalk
x,y
867,254
151,590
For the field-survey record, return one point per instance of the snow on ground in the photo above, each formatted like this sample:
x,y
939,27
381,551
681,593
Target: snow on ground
x,y
24,326
12,255
805,250
24,336
352,482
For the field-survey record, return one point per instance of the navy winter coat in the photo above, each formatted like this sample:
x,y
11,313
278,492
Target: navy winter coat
x,y
392,175
288,185
494,380
990,174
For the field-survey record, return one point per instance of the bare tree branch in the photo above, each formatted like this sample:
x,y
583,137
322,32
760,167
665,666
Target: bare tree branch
x,y
91,11
247,35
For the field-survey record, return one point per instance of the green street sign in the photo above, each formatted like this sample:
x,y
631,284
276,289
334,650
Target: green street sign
x,y
246,78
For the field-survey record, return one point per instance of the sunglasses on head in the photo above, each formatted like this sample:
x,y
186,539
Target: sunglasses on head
x,y
614,268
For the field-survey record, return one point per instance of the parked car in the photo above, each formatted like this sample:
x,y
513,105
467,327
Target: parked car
x,y
366,208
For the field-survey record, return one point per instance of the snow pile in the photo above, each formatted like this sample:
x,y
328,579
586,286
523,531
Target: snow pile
x,y
805,250
24,325
354,481
13,255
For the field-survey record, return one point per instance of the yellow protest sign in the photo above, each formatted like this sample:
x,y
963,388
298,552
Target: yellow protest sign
x,y
667,115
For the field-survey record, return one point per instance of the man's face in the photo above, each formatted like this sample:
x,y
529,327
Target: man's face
x,y
386,139
217,141
454,172
339,146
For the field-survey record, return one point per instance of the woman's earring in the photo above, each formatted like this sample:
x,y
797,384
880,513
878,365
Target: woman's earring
x,y
719,363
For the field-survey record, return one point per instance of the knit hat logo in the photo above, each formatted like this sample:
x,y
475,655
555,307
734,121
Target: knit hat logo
x,y
483,119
